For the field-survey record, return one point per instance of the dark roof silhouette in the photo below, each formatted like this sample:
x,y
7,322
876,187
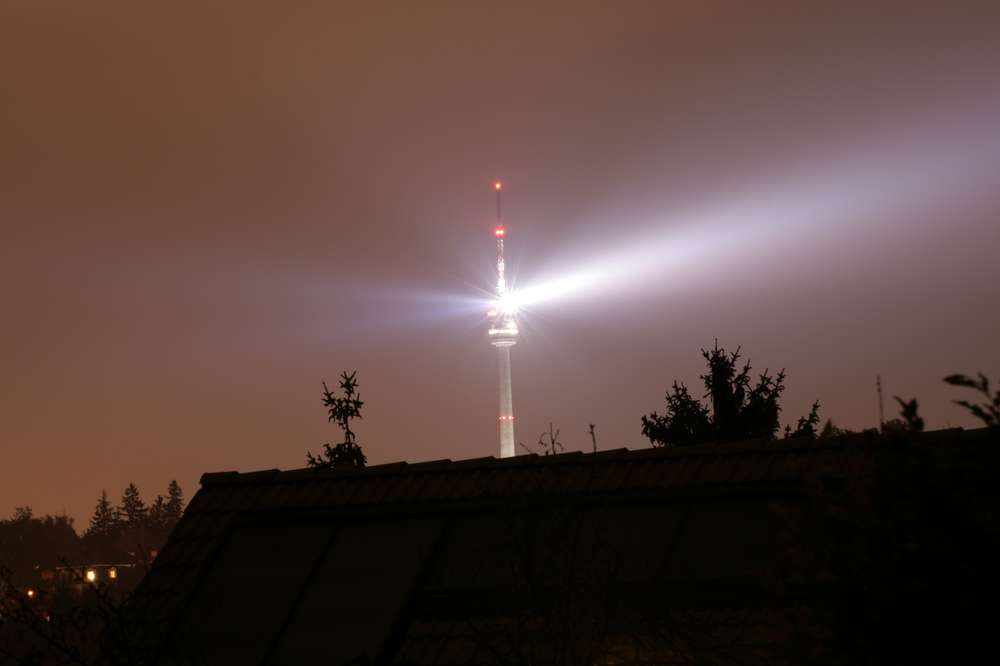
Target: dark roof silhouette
x,y
469,561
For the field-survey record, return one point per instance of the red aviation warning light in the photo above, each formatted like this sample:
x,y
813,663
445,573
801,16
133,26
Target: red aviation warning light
x,y
499,232
497,185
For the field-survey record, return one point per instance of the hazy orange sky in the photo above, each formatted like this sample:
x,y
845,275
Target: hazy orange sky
x,y
210,207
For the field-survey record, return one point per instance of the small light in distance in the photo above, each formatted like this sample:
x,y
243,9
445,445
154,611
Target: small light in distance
x,y
30,593
91,575
498,186
499,232
113,572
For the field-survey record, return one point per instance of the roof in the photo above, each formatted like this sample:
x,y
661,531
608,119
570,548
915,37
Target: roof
x,y
388,562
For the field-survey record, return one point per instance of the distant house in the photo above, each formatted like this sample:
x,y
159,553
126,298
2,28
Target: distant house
x,y
80,575
859,548
45,585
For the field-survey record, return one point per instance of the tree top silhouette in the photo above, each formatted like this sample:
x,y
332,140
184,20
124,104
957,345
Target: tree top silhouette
x,y
737,407
342,410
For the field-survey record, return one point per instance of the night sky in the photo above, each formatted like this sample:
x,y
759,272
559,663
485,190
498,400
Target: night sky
x,y
208,208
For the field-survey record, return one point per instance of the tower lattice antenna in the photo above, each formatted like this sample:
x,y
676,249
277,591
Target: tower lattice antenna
x,y
500,232
498,187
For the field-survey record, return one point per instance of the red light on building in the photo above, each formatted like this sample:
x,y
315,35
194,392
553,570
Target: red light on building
x,y
498,186
499,232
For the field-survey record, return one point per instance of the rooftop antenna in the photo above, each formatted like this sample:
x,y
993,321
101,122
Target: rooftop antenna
x,y
881,415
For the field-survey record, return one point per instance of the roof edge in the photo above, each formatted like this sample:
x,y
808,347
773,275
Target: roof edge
x,y
577,457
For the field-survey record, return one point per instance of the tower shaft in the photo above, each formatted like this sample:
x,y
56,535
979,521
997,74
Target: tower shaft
x,y
507,449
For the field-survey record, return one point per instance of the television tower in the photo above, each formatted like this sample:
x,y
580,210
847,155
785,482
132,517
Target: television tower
x,y
503,336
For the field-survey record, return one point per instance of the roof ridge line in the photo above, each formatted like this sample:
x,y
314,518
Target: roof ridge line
x,y
758,445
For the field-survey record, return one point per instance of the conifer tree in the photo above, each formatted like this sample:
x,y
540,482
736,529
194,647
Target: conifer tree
x,y
342,411
133,510
157,512
174,506
105,521
737,408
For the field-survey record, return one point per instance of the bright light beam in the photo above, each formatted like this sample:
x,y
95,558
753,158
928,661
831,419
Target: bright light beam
x,y
816,207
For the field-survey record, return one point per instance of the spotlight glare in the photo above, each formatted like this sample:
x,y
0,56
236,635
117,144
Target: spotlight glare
x,y
508,303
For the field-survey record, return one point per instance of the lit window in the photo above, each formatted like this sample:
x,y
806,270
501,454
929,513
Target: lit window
x,y
112,573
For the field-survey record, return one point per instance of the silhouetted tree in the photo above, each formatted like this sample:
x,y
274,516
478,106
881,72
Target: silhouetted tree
x,y
105,521
910,420
28,541
133,510
830,430
548,447
806,425
342,411
686,421
738,411
156,516
988,411
175,504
